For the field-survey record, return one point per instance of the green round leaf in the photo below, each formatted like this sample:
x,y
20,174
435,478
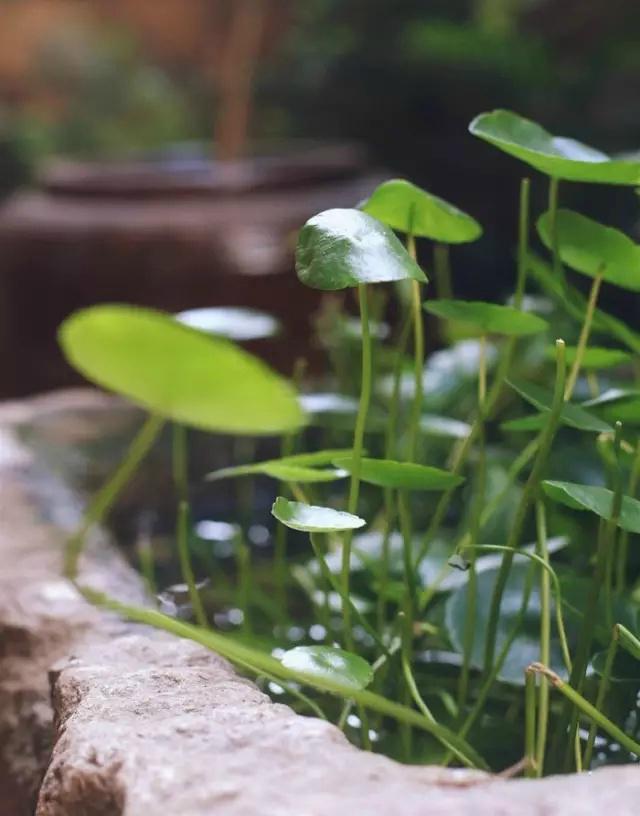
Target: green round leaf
x,y
594,357
341,668
341,248
311,519
488,318
401,475
556,156
233,322
409,209
594,249
598,500
178,372
572,415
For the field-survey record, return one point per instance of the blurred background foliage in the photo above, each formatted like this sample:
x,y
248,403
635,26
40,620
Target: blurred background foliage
x,y
113,77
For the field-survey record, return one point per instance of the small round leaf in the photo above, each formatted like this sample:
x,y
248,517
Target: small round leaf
x,y
309,518
409,209
342,669
488,318
346,247
594,249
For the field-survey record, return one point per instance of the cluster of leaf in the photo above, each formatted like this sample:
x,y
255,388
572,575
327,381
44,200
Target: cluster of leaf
x,y
450,598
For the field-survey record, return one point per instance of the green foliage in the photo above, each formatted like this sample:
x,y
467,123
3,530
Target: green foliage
x,y
596,500
593,248
401,475
343,669
178,372
341,248
488,318
409,209
311,519
555,156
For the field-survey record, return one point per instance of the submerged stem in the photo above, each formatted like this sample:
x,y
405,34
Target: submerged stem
x,y
107,495
545,634
590,711
181,481
418,370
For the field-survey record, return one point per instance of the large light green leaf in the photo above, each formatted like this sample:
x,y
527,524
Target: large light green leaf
x,y
409,209
488,318
572,415
233,322
598,500
345,669
343,247
401,475
556,156
309,518
593,248
178,372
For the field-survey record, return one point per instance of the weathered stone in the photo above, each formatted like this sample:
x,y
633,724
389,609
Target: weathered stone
x,y
143,723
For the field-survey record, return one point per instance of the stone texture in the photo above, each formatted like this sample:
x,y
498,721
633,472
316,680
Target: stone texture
x,y
143,723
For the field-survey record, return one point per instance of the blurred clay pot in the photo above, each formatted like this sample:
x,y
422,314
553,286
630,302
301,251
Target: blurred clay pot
x,y
173,232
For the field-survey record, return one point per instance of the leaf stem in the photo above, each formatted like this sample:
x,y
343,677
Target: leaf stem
x,y
577,700
600,698
181,482
107,495
523,242
530,752
528,495
418,370
442,269
545,634
358,440
584,336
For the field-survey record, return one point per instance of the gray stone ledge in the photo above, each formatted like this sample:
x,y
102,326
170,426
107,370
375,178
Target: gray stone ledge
x,y
140,723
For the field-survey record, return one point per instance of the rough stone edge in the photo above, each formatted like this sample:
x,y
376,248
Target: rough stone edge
x,y
148,723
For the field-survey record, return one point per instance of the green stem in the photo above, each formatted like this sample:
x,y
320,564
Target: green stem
x,y
545,634
358,440
181,481
501,374
558,272
584,336
530,723
577,700
404,516
528,495
333,582
418,370
262,662
491,678
442,269
623,544
600,697
105,498
606,543
523,242
472,586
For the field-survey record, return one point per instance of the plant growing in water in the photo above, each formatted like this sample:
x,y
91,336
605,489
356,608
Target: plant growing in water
x,y
424,605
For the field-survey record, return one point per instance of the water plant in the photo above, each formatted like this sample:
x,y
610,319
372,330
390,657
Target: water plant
x,y
460,524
